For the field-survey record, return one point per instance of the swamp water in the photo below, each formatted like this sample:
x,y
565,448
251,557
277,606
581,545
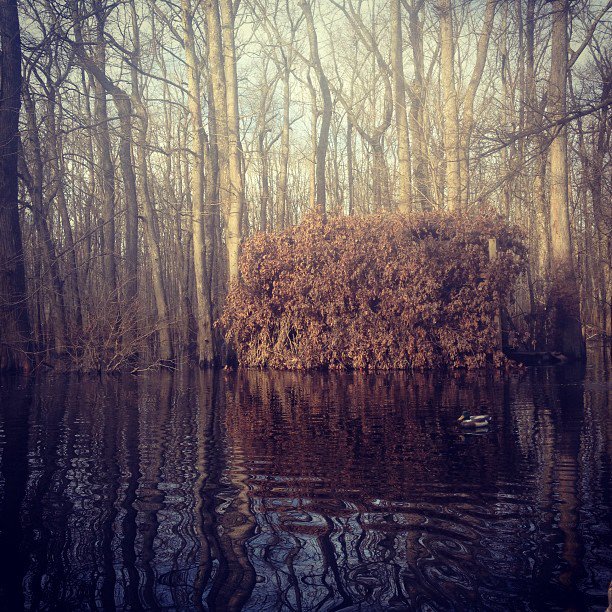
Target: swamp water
x,y
283,491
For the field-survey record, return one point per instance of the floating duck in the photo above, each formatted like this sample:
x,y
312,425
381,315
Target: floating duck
x,y
467,420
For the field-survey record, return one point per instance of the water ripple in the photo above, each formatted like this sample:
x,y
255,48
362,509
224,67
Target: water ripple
x,y
269,491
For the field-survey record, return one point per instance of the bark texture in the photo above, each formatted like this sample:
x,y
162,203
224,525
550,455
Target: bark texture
x,y
401,117
565,296
14,321
450,107
206,346
323,140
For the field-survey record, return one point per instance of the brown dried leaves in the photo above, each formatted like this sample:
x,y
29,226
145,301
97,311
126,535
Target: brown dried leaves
x,y
373,292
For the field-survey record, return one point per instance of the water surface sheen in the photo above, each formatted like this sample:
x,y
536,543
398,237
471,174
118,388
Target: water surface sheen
x,y
282,491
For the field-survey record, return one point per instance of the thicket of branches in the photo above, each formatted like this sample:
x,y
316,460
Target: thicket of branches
x,y
374,292
155,136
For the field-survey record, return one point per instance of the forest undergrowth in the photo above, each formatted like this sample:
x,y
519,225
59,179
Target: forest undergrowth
x,y
380,291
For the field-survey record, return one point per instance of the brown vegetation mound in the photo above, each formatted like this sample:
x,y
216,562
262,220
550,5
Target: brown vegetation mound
x,y
374,292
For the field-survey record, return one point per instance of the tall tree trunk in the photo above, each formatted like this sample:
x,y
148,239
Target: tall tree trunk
x,y
284,152
380,178
565,297
90,182
124,108
420,186
218,160
600,212
166,349
312,161
57,173
539,201
467,120
264,197
206,345
105,162
14,320
218,100
374,136
450,107
349,166
213,221
323,140
401,117
34,180
235,166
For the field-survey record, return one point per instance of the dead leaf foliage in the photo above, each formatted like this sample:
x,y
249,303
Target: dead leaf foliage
x,y
373,292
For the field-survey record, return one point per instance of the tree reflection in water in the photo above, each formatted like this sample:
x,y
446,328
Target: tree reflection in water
x,y
270,490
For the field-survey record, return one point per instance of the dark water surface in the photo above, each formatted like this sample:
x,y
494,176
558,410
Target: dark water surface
x,y
282,491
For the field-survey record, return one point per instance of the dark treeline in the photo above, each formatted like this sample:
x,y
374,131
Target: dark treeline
x,y
142,140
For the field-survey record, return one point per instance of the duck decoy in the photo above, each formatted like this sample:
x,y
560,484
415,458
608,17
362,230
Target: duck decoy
x,y
467,420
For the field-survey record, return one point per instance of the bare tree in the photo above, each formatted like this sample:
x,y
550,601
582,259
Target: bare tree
x,y
467,118
564,288
33,176
123,102
452,154
420,181
14,320
149,216
206,346
151,147
236,180
323,139
401,116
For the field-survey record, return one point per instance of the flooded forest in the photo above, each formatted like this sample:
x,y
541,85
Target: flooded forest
x,y
266,269
143,142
